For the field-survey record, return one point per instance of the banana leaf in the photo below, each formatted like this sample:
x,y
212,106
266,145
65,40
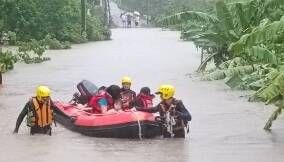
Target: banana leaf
x,y
190,33
262,54
273,3
232,72
224,15
272,118
237,61
202,66
263,79
225,64
209,35
241,20
275,114
261,34
216,75
271,91
188,15
256,85
234,81
222,74
249,80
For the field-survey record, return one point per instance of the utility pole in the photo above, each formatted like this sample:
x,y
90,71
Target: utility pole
x,y
147,12
105,13
83,15
109,16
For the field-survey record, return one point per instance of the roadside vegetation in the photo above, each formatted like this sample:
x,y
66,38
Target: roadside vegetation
x,y
240,41
35,26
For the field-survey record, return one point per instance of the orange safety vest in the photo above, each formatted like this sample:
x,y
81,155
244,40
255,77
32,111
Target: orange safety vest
x,y
43,114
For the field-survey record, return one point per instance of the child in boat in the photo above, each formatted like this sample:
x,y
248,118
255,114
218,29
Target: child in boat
x,y
107,100
100,102
144,99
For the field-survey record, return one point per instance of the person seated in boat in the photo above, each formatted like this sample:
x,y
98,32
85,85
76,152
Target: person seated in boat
x,y
127,95
39,112
115,92
174,117
144,99
105,99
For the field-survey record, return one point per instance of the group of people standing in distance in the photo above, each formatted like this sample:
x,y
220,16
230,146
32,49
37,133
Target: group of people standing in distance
x,y
127,18
112,99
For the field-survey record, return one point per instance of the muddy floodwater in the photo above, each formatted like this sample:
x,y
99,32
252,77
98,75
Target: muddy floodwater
x,y
225,127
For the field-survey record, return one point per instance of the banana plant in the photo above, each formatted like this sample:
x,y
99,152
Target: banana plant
x,y
265,33
250,30
230,27
214,33
271,91
274,115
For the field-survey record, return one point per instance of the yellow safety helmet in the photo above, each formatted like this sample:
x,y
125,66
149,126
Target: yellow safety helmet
x,y
42,91
166,91
126,79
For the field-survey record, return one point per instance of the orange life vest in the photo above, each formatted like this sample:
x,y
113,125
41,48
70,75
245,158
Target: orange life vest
x,y
41,115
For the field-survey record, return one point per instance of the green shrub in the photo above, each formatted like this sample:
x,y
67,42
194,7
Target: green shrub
x,y
7,60
53,43
66,45
12,38
31,19
32,52
96,31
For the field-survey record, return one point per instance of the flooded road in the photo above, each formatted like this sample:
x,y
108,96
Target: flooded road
x,y
225,127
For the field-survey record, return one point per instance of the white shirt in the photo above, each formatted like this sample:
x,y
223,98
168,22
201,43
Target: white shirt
x,y
123,17
137,18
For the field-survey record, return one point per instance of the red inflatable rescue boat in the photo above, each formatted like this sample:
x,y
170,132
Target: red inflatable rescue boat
x,y
125,124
